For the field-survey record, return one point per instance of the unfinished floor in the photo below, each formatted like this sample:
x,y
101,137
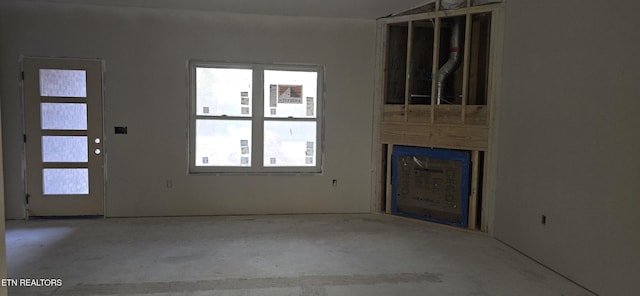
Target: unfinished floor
x,y
363,254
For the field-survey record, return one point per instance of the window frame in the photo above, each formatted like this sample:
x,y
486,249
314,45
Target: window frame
x,y
257,118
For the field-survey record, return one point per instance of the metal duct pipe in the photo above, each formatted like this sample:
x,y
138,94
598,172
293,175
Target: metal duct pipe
x,y
454,57
452,4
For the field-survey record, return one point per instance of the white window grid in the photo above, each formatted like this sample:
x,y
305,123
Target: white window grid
x,y
257,119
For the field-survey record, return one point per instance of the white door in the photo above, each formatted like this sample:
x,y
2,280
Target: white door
x,y
63,137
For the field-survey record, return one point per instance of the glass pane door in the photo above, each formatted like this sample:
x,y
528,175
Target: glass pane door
x,y
63,123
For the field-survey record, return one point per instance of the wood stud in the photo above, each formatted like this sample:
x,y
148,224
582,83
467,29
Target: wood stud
x,y
473,196
407,81
388,192
465,67
435,66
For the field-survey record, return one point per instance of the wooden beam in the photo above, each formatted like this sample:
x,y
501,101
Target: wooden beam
x,y
379,179
393,113
434,67
448,114
442,13
407,77
418,113
473,196
388,179
443,136
465,65
484,223
476,115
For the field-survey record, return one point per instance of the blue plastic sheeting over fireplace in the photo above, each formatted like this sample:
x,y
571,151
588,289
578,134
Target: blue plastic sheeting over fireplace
x,y
431,184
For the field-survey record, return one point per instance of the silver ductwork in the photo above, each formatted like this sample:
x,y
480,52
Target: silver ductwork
x,y
454,58
452,4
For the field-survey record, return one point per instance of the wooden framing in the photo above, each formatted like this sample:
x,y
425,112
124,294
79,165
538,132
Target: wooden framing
x,y
443,114
407,80
484,223
464,126
441,136
388,172
434,68
442,13
473,196
465,65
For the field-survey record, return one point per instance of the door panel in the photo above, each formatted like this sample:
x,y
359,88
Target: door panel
x,y
63,125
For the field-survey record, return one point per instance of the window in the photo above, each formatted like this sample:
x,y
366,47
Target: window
x,y
255,118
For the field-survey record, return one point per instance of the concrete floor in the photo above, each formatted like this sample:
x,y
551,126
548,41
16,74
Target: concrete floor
x,y
364,254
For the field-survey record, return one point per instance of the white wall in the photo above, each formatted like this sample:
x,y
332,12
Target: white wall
x,y
569,140
3,250
146,53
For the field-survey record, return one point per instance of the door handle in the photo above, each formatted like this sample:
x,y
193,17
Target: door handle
x,y
97,151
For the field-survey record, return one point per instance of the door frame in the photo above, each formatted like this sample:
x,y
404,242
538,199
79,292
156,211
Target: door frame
x,y
102,162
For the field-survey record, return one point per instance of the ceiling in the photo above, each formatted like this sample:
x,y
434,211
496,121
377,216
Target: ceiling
x,y
355,9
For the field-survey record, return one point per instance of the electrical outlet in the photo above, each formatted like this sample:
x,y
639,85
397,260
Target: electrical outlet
x,y
543,220
334,183
169,183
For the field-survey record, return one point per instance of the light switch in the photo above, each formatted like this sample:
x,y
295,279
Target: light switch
x,y
120,130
